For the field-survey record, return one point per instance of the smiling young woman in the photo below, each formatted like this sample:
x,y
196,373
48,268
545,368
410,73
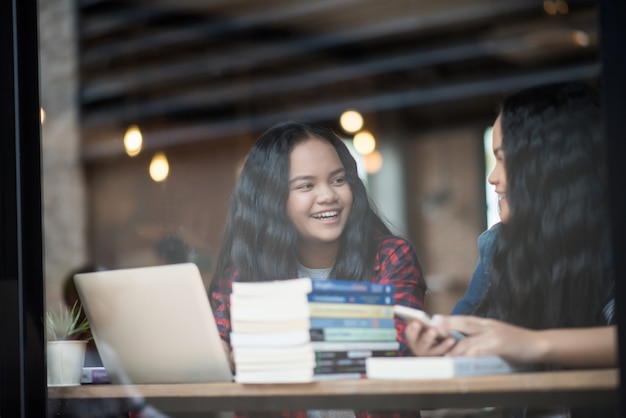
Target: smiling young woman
x,y
299,209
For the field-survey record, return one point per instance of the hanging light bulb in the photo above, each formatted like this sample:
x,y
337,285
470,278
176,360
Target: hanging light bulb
x,y
364,142
133,140
159,167
351,121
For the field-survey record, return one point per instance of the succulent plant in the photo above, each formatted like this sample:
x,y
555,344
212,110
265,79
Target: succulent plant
x,y
67,324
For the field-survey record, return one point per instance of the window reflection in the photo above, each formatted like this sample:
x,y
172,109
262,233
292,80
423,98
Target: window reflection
x,y
203,79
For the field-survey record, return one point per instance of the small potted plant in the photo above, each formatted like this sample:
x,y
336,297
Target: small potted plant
x,y
67,334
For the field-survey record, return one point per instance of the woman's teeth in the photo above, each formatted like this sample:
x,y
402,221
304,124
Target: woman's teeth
x,y
326,215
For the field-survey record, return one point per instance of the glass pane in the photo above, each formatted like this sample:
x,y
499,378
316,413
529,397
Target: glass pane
x,y
192,84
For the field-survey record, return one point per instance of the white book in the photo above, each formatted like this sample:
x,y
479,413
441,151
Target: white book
x,y
283,325
274,339
275,366
307,285
274,308
273,288
275,376
411,368
268,361
270,355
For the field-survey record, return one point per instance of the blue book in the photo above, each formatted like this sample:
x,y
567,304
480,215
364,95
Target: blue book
x,y
376,299
346,286
319,323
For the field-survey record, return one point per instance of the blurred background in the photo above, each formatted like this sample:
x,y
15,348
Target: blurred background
x,y
150,106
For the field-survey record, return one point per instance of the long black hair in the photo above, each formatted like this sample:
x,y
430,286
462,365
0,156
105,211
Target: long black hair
x,y
552,262
259,242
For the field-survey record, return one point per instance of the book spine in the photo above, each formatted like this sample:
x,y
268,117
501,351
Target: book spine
x,y
355,354
345,286
279,339
337,376
353,334
376,299
339,369
349,310
352,323
355,346
340,362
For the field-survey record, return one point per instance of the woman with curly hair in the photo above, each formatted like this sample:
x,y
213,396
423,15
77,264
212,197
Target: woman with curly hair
x,y
547,295
299,209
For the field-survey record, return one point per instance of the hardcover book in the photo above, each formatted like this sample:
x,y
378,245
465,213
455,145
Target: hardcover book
x,y
355,354
339,369
353,334
352,323
349,310
340,362
409,368
351,298
355,346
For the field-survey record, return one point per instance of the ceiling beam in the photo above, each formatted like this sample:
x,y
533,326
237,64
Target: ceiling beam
x,y
201,132
116,83
215,26
205,98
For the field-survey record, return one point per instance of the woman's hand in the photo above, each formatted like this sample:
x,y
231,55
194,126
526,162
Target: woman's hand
x,y
427,341
570,347
491,337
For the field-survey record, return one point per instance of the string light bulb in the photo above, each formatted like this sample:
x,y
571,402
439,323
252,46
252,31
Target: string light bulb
x,y
133,140
351,121
159,167
364,142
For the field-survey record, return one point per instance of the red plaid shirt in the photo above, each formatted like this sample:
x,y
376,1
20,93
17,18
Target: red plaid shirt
x,y
396,263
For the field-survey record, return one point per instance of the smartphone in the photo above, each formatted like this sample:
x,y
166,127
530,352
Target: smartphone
x,y
410,314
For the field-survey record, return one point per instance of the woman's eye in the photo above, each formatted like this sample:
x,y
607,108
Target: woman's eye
x,y
338,180
304,186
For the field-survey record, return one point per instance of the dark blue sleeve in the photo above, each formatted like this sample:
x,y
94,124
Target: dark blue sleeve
x,y
480,279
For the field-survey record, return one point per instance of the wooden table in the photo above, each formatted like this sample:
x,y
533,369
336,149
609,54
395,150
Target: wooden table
x,y
563,388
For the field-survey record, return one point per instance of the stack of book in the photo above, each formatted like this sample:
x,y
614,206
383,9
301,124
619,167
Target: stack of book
x,y
350,322
270,336
301,330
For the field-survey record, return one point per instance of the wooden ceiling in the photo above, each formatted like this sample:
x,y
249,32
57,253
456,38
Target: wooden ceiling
x,y
198,70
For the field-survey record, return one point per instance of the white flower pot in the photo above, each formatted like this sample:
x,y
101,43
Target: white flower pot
x,y
65,362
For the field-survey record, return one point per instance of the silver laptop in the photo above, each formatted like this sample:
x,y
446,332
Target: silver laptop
x,y
153,325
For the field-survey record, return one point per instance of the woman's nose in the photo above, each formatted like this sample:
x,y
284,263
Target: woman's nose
x,y
327,194
492,178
